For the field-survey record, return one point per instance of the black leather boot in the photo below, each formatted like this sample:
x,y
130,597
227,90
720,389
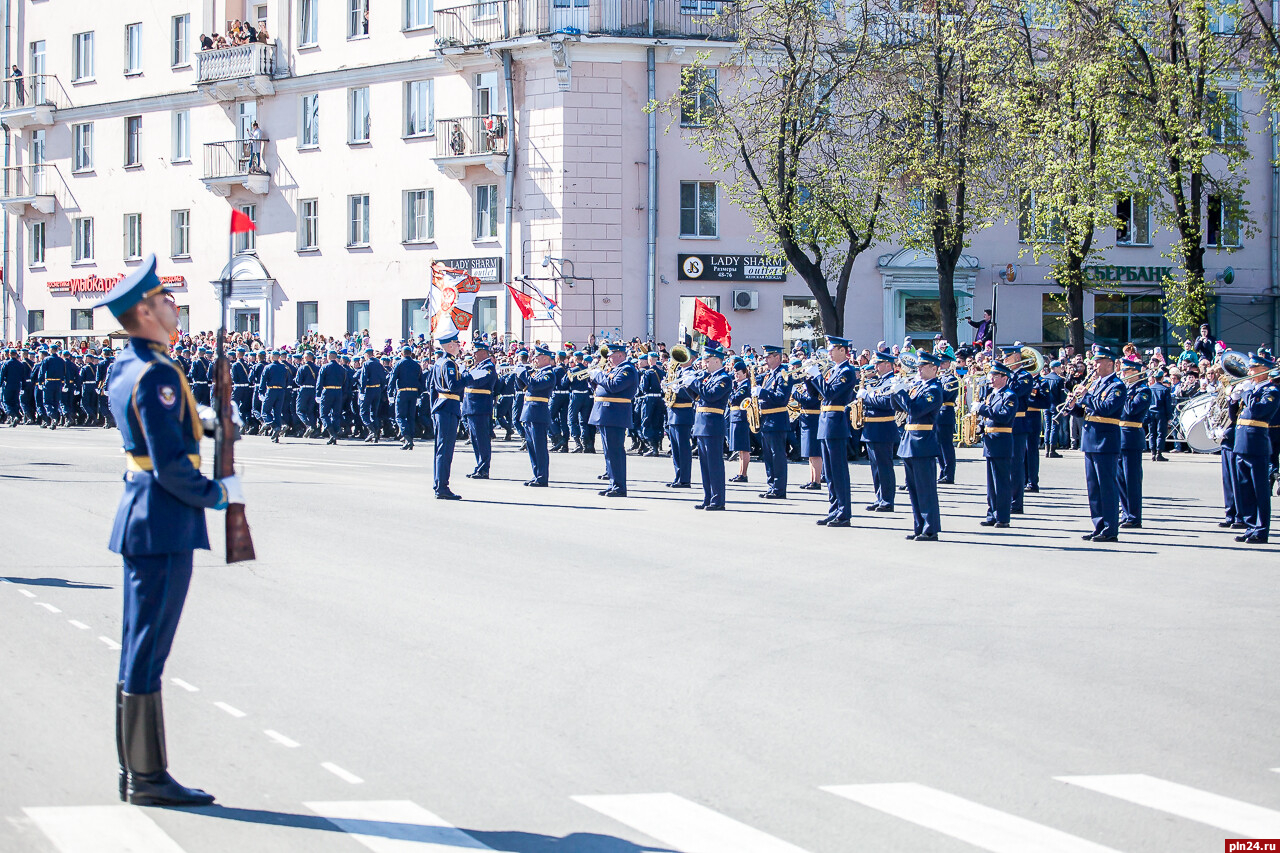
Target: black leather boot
x,y
148,763
124,773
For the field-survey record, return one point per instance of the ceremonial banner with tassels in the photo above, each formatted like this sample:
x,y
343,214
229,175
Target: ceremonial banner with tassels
x,y
453,298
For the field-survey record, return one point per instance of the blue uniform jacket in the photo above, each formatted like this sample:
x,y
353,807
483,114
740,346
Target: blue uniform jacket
x,y
680,413
712,391
239,373
1055,387
406,376
998,412
305,376
578,379
921,402
1022,384
837,388
537,384
740,393
945,425
332,377
201,371
447,386
165,495
1101,406
1137,406
877,410
12,374
482,384
53,368
615,388
274,376
1161,403
775,391
1258,407
371,378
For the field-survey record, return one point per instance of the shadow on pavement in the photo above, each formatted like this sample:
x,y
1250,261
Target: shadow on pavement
x,y
58,582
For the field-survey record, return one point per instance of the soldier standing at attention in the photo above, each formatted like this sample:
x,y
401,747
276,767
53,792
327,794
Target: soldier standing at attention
x,y
997,413
447,384
477,408
158,525
538,384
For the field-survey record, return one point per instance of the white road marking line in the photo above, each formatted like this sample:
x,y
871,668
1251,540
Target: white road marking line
x,y
28,593
970,822
48,607
233,711
110,643
344,775
102,829
185,685
281,739
1234,816
76,623
395,826
685,825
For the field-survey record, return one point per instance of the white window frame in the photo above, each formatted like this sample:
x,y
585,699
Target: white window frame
x,y
413,94
132,140
132,236
707,81
1228,129
358,221
308,224
488,212
1136,203
132,49
420,216
311,140
180,41
82,240
1227,223
308,23
180,233
79,316
697,233
247,241
357,19
181,136
356,98
36,244
412,19
82,147
82,57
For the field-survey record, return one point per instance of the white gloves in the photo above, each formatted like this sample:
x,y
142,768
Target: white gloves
x,y
755,392
208,418
813,371
974,406
235,492
688,378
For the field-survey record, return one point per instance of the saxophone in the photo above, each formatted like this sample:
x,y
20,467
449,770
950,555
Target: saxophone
x,y
751,405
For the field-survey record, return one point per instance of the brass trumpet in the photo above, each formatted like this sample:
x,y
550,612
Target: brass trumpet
x,y
680,355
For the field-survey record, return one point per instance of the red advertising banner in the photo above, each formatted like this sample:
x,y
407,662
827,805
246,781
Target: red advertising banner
x,y
95,284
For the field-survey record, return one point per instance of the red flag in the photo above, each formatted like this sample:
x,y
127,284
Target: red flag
x,y
711,323
523,301
240,223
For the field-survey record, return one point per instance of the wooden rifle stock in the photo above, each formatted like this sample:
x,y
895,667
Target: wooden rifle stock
x,y
239,541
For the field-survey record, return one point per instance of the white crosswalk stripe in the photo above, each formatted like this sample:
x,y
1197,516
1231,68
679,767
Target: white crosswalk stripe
x,y
685,825
1193,804
102,829
395,826
983,827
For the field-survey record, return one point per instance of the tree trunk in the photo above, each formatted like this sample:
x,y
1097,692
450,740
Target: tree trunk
x,y
947,294
1075,312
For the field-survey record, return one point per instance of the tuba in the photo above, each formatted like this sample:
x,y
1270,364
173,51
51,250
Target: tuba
x,y
1236,365
680,356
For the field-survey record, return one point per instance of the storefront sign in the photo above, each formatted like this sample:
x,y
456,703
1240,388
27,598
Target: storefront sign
x,y
1155,275
94,284
732,268
487,270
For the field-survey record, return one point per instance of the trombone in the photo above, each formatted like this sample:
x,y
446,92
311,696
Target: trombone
x,y
1032,361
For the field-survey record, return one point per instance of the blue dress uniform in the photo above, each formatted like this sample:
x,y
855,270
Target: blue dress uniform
x,y
68,387
407,383
202,377
739,429
1101,407
611,414
158,524
538,384
89,390
305,378
372,383
13,373
271,387
241,388
447,386
680,434
257,365
1133,443
651,406
879,434
712,391
1021,388
837,388
998,412
1037,404
1159,417
1055,389
1251,453
559,432
773,392
53,372
29,405
919,451
502,404
945,427
577,379
330,382
809,399
477,409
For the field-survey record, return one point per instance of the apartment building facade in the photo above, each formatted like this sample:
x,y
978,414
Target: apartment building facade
x,y
508,137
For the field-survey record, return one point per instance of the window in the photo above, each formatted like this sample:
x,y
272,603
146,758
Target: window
x,y
81,57
308,23
308,224
486,211
419,216
180,237
1121,318
308,317
921,315
358,109
801,321
485,311
1224,222
35,253
133,49
82,144
697,7
357,316
247,241
357,18
1134,214
81,319
417,14
181,53
309,122
1053,313
35,321
1221,21
415,319
698,215
184,318
82,229
1035,225
132,236
358,220
686,315
1224,117
419,108
133,141
697,95
181,136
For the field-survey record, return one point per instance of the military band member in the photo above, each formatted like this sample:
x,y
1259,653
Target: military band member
x,y
651,406
946,426
578,379
611,415
538,382
997,413
1021,387
477,409
159,523
1133,442
837,387
739,429
680,434
1259,403
1037,404
711,389
772,393
879,432
1100,407
1161,414
407,384
447,385
329,386
918,449
809,399
1055,426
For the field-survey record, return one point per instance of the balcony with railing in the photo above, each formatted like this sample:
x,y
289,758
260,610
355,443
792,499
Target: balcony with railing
x,y
35,186
236,163
32,101
477,24
472,141
238,71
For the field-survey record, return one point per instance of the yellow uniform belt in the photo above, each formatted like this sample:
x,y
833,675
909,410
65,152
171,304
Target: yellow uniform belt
x,y
1131,424
837,409
278,387
999,429
1251,422
479,391
327,387
1094,419
881,420
537,399
1022,414
707,410
681,405
449,396
1033,409
810,411
919,427
402,390
952,405
139,464
613,399
776,411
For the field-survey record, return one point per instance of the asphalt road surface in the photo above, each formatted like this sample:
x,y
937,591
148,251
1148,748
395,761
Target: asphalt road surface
x,y
549,671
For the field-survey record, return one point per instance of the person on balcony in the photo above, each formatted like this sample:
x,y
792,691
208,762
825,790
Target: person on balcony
x,y
16,74
255,148
206,43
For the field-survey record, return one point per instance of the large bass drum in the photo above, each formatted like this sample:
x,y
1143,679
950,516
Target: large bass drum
x,y
1193,423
